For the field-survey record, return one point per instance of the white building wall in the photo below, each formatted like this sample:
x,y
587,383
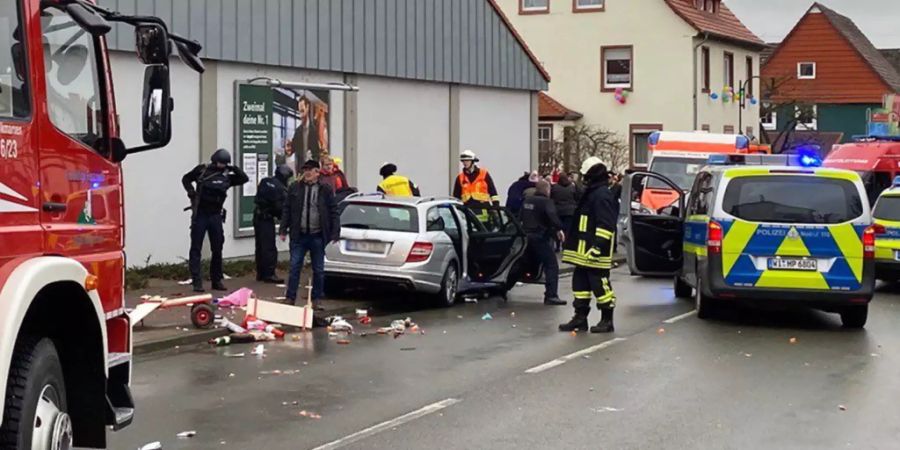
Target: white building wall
x,y
227,74
155,225
407,123
716,113
496,125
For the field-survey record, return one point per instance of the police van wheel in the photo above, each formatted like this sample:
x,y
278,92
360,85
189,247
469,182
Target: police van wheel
x,y
682,289
704,304
855,316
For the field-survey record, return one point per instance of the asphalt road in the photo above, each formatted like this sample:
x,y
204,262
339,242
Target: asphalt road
x,y
749,379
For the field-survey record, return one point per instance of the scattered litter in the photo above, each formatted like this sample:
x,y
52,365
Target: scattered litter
x,y
607,409
231,326
260,351
309,414
874,355
471,300
295,337
332,334
339,325
225,276
445,332
407,349
280,286
842,407
459,317
792,340
661,331
235,355
512,314
298,316
186,434
365,320
586,356
185,282
591,389
238,298
152,446
514,325
281,298
343,341
487,316
748,355
574,333
360,313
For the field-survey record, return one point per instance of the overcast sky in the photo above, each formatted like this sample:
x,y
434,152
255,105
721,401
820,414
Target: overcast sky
x,y
771,20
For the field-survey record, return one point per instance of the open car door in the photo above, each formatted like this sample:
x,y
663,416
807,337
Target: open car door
x,y
496,242
653,238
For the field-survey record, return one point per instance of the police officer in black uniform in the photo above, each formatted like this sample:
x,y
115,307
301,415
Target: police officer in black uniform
x,y
542,225
207,186
269,202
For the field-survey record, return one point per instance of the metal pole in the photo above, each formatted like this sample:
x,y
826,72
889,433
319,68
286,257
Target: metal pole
x,y
304,85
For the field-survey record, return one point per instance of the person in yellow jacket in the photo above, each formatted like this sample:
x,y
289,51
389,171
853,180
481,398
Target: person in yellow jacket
x,y
474,185
396,185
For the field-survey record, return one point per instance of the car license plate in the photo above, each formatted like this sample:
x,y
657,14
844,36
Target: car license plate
x,y
366,246
793,264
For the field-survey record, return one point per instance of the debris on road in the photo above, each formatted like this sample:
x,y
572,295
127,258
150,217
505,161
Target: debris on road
x,y
792,340
574,333
185,282
339,325
152,446
309,414
234,355
343,341
297,316
407,349
236,299
259,350
748,355
661,331
470,299
230,326
487,316
605,409
186,434
512,314
842,407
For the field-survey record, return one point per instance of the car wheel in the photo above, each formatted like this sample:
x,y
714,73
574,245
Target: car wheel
x,y
35,412
855,316
682,289
449,287
704,304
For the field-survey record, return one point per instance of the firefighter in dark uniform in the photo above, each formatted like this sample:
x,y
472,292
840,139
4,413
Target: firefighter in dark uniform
x,y
269,202
207,186
589,246
542,226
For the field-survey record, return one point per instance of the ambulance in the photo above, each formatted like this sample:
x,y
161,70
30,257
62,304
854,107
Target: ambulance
x,y
764,230
886,215
679,155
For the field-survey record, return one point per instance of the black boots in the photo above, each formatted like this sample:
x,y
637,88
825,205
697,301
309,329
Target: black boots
x,y
219,286
554,301
606,322
579,320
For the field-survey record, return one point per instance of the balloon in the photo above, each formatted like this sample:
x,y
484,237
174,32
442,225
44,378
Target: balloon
x,y
625,94
753,101
619,91
714,96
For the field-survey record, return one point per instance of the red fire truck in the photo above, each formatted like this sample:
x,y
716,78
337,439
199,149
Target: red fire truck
x,y
65,339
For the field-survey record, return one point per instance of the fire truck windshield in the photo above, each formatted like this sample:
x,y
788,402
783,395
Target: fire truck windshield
x,y
73,84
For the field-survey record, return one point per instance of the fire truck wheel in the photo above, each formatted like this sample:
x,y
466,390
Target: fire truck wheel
x,y
35,407
202,315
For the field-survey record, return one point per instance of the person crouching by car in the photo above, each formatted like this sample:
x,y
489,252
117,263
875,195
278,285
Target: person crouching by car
x,y
311,218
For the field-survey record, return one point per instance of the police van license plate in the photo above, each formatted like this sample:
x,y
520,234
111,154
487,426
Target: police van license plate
x,y
793,264
366,246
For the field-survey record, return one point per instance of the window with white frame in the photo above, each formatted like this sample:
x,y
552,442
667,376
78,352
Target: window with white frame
x,y
587,5
806,71
769,121
806,116
545,137
617,67
535,5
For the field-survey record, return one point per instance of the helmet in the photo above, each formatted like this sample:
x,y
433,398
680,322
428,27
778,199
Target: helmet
x,y
387,169
468,155
588,163
284,173
221,156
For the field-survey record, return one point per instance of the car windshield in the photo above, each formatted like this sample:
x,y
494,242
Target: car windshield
x,y
680,170
369,216
792,199
887,208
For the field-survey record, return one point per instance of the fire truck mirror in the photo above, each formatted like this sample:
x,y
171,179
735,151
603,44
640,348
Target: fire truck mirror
x,y
151,43
157,105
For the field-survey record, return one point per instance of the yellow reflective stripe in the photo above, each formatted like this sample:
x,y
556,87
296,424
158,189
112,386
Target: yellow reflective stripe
x,y
745,172
734,242
888,223
838,174
604,233
695,249
849,242
582,224
581,246
697,218
582,295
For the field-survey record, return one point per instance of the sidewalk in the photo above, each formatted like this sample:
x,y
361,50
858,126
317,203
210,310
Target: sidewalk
x,y
167,328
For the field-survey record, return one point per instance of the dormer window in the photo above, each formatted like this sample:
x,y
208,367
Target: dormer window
x,y
709,6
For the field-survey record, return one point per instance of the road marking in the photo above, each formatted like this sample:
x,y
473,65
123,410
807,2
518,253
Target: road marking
x,y
375,429
680,317
571,356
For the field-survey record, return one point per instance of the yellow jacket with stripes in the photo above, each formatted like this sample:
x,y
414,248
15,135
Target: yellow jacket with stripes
x,y
591,237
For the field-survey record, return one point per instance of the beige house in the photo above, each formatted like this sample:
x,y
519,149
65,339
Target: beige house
x,y
635,66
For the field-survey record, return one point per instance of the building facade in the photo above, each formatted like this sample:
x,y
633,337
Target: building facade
x,y
434,77
827,76
636,66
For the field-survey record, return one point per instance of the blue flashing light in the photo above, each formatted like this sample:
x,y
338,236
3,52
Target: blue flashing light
x,y
95,185
717,160
742,142
654,138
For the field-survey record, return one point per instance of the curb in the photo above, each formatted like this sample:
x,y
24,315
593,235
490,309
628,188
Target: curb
x,y
202,336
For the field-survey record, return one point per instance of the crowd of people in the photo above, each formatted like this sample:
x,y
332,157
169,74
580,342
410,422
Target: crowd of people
x,y
569,213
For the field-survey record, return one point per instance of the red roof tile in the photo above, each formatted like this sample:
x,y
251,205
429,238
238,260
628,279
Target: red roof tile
x,y
550,109
723,24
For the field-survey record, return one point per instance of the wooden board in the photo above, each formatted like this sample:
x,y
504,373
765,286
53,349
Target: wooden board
x,y
298,316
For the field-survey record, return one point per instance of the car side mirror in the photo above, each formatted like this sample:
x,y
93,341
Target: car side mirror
x,y
151,41
157,105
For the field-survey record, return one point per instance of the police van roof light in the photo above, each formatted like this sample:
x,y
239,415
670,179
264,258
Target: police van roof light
x,y
810,160
742,142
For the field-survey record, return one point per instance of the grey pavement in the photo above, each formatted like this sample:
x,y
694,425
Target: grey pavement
x,y
735,382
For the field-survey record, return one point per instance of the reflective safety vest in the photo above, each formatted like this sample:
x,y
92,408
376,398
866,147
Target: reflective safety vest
x,y
397,186
476,190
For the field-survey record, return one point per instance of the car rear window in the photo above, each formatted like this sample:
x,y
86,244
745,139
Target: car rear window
x,y
370,216
792,199
887,208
